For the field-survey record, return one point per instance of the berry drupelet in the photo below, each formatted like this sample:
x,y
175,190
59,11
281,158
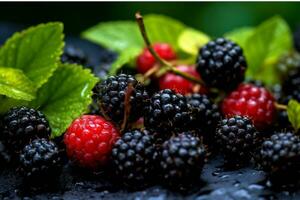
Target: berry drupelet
x,y
249,100
89,140
204,115
111,96
280,154
134,157
168,112
221,64
181,160
22,124
40,159
146,61
237,139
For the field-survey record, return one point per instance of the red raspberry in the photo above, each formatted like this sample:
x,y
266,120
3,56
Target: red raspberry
x,y
249,100
146,61
178,83
89,141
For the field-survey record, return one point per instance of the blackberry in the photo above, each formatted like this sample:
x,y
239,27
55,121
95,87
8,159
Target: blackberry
x,y
40,159
74,55
287,63
181,160
5,157
204,114
22,124
111,97
167,113
134,156
291,85
280,154
221,64
237,138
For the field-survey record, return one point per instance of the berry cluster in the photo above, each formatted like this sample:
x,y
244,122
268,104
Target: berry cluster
x,y
144,136
25,143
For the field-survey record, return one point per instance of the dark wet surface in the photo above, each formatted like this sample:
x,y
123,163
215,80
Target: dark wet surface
x,y
216,183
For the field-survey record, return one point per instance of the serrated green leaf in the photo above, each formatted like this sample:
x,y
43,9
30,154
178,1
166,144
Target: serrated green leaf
x,y
264,47
117,36
65,96
190,40
293,111
240,35
35,51
161,28
14,84
124,58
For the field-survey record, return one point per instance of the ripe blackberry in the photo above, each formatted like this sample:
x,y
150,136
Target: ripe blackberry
x,y
134,156
204,114
111,96
181,160
5,156
22,124
73,55
40,159
291,85
287,63
280,154
168,112
221,64
237,138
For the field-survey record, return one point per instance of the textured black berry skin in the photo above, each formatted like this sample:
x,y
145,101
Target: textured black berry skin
x,y
74,55
205,114
111,95
168,112
5,156
22,124
134,157
280,154
40,159
221,64
291,85
237,139
181,160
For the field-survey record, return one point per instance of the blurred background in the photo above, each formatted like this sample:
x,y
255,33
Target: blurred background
x,y
213,18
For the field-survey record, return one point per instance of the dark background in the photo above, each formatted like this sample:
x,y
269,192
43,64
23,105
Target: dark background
x,y
213,18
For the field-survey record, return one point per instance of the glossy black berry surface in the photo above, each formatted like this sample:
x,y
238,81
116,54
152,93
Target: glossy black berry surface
x,y
221,64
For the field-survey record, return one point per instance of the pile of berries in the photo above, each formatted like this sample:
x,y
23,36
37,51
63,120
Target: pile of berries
x,y
166,136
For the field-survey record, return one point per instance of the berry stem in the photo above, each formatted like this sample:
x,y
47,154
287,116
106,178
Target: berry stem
x,y
280,106
127,106
169,66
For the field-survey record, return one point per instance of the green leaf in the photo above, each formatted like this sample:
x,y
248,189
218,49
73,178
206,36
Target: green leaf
x,y
293,111
65,96
117,36
264,47
35,51
14,84
161,28
240,35
191,40
124,58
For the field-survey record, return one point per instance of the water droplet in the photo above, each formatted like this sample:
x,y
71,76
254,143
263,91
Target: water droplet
x,y
237,184
255,187
224,176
